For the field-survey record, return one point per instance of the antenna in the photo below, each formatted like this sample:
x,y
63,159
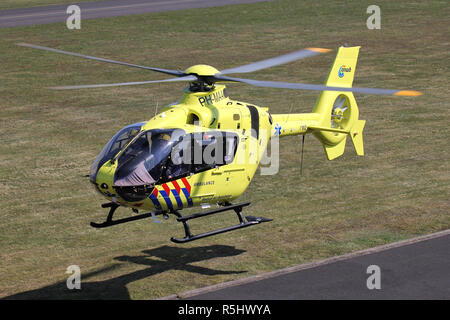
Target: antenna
x,y
156,107
301,160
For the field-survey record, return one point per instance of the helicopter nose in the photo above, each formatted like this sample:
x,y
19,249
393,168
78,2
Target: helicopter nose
x,y
104,179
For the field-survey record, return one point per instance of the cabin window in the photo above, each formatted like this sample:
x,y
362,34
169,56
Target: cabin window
x,y
199,152
254,117
192,118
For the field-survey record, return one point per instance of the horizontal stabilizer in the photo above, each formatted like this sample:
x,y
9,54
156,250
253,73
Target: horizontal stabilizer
x,y
318,128
357,137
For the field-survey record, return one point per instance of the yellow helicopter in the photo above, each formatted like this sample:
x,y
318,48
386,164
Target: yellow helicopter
x,y
205,149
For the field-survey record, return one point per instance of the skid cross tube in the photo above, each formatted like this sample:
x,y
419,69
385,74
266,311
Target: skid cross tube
x,y
236,207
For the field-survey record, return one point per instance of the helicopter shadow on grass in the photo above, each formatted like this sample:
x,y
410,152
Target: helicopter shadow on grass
x,y
168,258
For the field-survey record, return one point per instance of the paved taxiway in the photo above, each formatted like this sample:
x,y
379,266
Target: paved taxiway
x,y
413,269
102,9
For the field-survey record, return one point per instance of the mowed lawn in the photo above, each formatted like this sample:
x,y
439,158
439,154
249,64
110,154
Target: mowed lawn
x,y
399,190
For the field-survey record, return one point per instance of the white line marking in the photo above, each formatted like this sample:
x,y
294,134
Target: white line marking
x,y
63,12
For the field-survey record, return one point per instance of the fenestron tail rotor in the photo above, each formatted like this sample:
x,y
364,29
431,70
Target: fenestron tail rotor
x,y
338,111
205,76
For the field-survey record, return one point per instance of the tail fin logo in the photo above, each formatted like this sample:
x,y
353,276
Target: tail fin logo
x,y
343,69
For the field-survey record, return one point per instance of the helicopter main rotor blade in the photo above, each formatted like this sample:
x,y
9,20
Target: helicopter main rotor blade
x,y
317,87
186,78
263,64
177,73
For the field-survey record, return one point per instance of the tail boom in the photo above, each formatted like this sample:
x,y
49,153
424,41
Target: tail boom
x,y
335,115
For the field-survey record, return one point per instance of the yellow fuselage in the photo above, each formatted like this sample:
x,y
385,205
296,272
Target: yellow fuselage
x,y
333,118
203,112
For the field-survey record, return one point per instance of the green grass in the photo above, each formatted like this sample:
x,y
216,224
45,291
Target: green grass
x,y
49,139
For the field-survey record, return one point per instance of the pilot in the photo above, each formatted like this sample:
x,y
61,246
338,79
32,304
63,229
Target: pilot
x,y
159,142
174,171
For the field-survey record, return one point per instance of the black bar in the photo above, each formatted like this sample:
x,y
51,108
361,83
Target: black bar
x,y
214,232
109,205
109,223
202,214
187,230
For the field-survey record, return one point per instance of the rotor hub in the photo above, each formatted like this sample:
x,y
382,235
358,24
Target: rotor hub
x,y
338,115
202,70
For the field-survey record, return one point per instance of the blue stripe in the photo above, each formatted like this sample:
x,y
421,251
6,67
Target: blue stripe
x,y
167,199
155,201
188,197
177,197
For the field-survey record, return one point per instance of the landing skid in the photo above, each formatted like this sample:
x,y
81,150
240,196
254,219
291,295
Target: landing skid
x,y
243,223
250,221
110,222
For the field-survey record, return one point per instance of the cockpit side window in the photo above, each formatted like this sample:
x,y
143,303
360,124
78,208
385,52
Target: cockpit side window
x,y
178,165
199,152
144,159
231,143
123,140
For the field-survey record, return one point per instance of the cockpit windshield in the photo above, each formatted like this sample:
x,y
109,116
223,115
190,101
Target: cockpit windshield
x,y
143,161
117,142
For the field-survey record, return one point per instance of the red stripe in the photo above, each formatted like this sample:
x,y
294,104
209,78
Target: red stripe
x,y
186,184
155,192
176,186
166,188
